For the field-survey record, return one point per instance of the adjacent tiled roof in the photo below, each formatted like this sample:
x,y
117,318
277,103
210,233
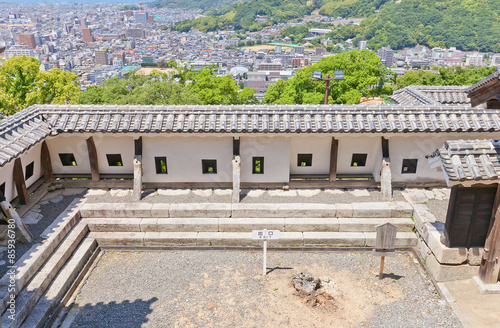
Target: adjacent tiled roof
x,y
471,159
495,75
20,132
430,94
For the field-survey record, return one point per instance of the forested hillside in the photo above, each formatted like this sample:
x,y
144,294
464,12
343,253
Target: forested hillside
x,y
466,24
192,4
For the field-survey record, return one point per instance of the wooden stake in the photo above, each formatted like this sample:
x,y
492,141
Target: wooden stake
x,y
381,274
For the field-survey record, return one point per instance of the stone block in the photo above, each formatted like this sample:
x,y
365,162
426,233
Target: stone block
x,y
249,224
368,225
200,210
371,210
421,218
443,254
160,210
445,272
311,224
116,210
226,239
335,239
118,238
114,224
148,225
283,210
288,239
170,238
344,210
400,209
474,255
486,288
403,239
422,248
187,224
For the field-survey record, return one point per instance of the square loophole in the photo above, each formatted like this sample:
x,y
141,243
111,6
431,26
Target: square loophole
x,y
67,159
209,166
114,159
409,166
358,159
304,159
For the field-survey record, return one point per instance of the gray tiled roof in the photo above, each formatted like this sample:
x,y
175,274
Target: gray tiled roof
x,y
431,94
495,75
470,159
20,132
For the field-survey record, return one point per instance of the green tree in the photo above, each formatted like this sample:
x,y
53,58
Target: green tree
x,y
55,87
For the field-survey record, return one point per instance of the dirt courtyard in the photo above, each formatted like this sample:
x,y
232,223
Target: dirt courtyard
x,y
227,289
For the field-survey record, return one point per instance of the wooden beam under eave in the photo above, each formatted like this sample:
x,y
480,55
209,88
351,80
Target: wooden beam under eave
x,y
489,269
20,183
94,163
46,162
485,93
333,159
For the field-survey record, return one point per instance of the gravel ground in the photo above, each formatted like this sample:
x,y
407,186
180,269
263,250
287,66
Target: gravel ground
x,y
439,208
49,211
247,196
227,289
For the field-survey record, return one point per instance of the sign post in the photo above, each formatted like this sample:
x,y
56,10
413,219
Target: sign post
x,y
265,235
384,244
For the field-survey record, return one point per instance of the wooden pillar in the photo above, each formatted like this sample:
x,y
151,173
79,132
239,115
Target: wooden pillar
x,y
137,192
489,270
46,162
18,173
333,159
94,163
15,223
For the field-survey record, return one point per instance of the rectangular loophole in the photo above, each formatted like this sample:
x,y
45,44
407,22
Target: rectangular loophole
x,y
161,165
2,192
209,166
304,159
30,168
257,165
409,166
67,159
114,159
358,159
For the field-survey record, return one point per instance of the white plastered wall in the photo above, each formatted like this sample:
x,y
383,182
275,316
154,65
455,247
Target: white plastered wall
x,y
319,147
74,144
356,144
276,153
114,144
184,155
6,172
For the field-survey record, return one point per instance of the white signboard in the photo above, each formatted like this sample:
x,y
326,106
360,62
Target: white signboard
x,y
266,234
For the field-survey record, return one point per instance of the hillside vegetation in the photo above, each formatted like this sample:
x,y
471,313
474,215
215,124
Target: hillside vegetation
x,y
192,4
466,24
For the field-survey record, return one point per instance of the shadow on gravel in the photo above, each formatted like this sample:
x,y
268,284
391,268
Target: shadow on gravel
x,y
391,276
114,315
277,268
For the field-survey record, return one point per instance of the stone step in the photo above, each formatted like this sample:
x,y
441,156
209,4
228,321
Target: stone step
x,y
34,258
290,239
244,224
29,296
249,210
49,302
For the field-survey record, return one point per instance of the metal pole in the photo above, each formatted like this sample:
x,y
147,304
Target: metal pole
x,y
327,87
265,253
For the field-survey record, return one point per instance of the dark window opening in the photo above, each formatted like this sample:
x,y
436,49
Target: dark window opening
x,y
258,165
67,159
30,168
161,165
114,159
358,159
409,166
304,159
2,192
209,166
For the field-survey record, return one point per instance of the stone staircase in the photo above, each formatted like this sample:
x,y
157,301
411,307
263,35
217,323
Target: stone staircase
x,y
209,224
46,271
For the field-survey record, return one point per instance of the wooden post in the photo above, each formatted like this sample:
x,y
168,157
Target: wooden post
x,y
489,269
18,173
137,192
94,163
333,159
46,162
381,273
22,232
